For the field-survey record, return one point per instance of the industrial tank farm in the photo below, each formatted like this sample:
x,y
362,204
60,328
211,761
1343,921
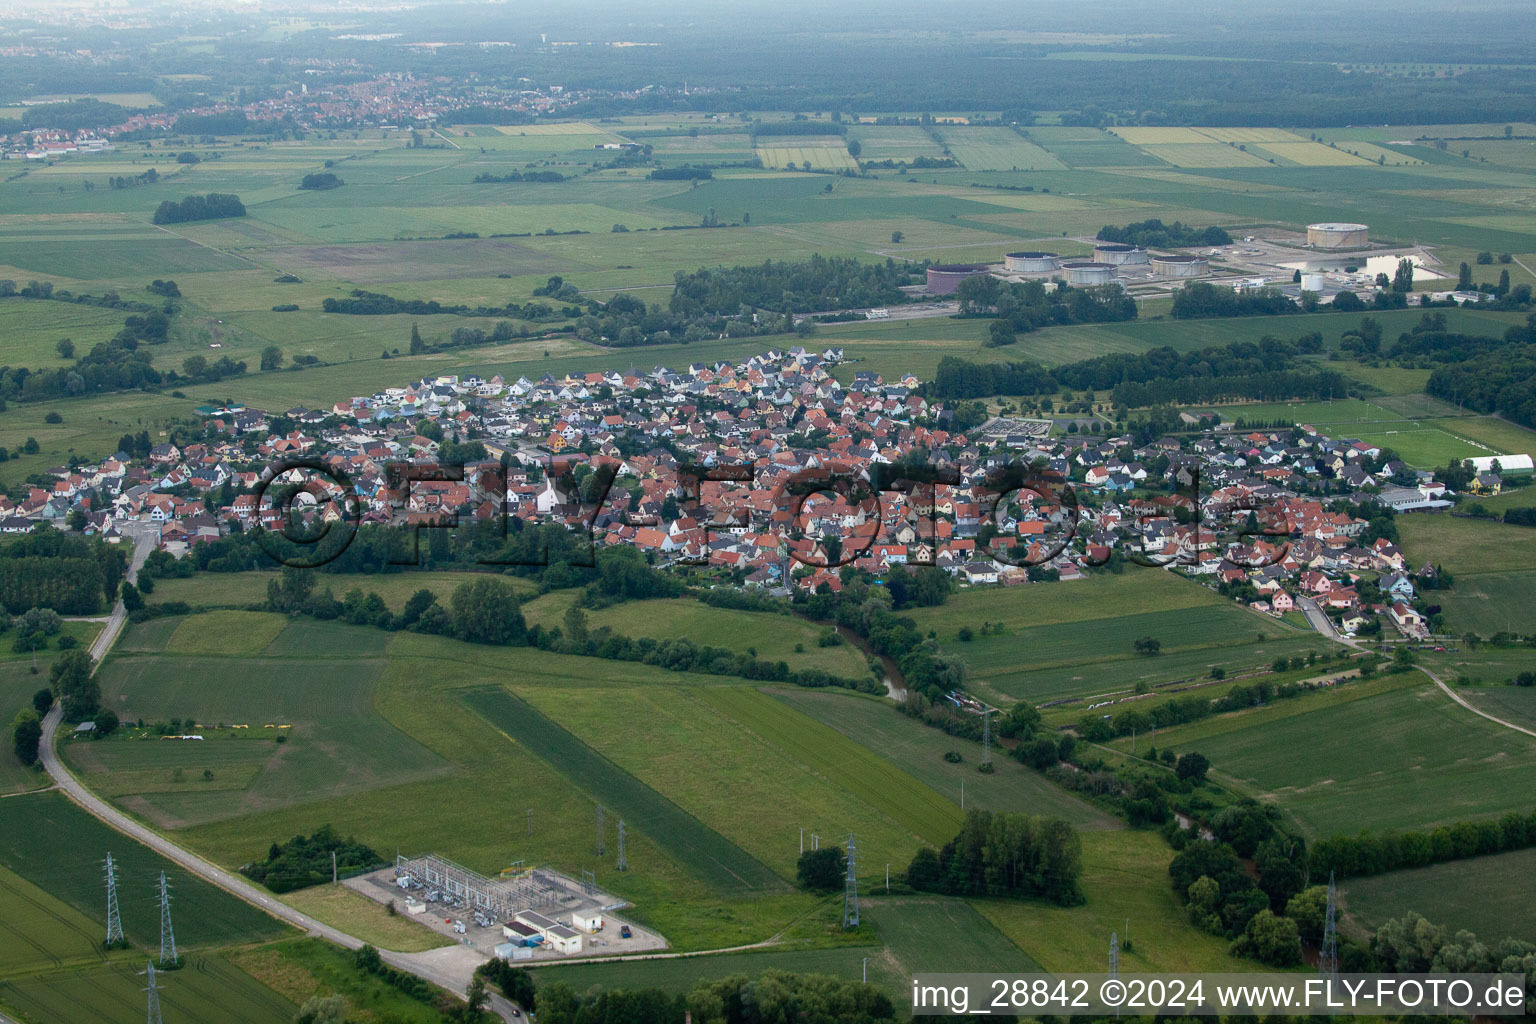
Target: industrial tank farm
x,y
1031,262
945,278
1178,265
1084,273
1119,255
1333,235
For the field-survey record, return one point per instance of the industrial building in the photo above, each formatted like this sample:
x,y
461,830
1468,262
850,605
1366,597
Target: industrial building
x,y
945,278
1119,255
1338,235
1179,265
1086,273
1031,262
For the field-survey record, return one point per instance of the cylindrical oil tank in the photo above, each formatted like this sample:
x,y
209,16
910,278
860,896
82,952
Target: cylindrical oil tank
x,y
945,278
1083,273
1178,265
1313,282
1119,255
1334,235
1031,262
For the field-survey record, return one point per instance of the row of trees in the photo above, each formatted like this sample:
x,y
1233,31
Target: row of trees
x,y
1150,233
1368,854
365,303
806,286
213,206
773,996
1004,854
70,574
1026,306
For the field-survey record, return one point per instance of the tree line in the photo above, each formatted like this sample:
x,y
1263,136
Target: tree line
x,y
1004,854
1154,233
807,286
213,206
71,574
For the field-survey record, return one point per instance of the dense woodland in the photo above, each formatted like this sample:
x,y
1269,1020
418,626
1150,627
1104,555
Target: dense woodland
x,y
1150,233
815,285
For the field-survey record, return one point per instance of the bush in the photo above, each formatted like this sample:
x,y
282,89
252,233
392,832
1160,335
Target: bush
x,y
822,870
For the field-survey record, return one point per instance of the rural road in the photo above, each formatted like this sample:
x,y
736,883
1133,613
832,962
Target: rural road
x,y
450,967
1321,623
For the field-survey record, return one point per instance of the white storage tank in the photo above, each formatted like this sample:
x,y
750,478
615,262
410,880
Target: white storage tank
x,y
1313,282
1178,265
1031,262
1338,235
1119,255
1085,273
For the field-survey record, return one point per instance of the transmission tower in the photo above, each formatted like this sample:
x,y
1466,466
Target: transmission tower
x,y
154,996
167,936
623,864
601,849
986,738
1328,956
114,922
1114,955
851,891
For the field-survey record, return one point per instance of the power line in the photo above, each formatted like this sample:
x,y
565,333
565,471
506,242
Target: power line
x,y
114,922
167,935
153,1016
1328,956
851,891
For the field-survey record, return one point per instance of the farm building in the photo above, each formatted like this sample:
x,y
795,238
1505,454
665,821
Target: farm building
x,y
1337,235
945,278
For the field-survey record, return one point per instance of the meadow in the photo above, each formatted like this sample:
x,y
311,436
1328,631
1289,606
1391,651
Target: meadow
x,y
38,931
1468,546
1487,895
209,989
773,638
919,751
1392,753
59,848
1489,603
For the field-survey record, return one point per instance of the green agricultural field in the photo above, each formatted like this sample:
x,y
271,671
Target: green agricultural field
x,y
33,328
1487,895
1395,753
320,704
59,848
919,751
1489,603
996,149
38,931
209,989
713,856
91,427
242,589
1466,545
901,936
773,637
661,737
1125,880
1513,704
225,633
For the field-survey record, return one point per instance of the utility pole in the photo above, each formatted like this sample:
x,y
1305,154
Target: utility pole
x,y
866,970
887,876
153,1016
802,839
530,821
333,867
167,935
114,922
962,794
1114,955
851,891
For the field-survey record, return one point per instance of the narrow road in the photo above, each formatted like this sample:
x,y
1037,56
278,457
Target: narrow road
x,y
448,968
1321,623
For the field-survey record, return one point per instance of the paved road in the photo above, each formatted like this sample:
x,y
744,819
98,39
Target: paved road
x,y
450,968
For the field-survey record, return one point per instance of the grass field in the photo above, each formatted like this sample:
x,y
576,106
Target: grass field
x,y
919,751
662,738
1125,880
300,968
1466,545
1489,603
1393,753
715,858
59,848
358,915
209,989
901,935
1487,895
38,931
773,637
